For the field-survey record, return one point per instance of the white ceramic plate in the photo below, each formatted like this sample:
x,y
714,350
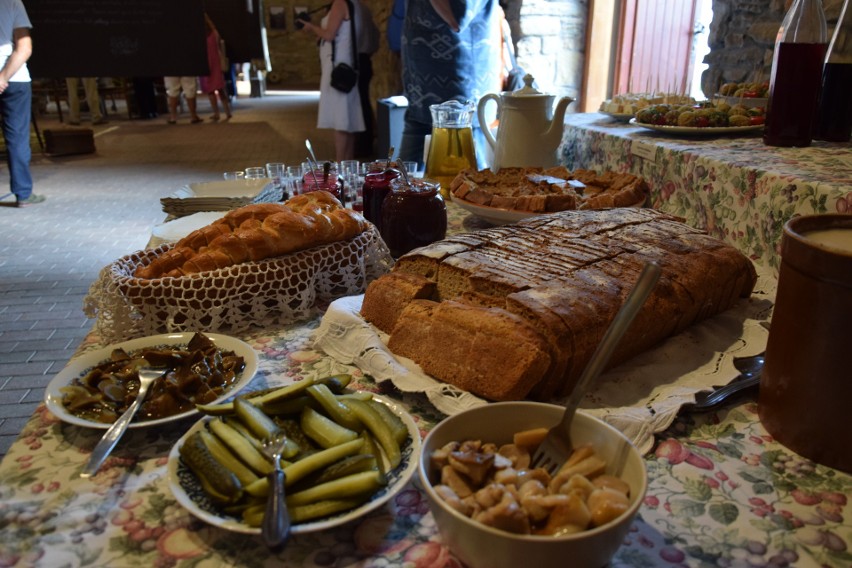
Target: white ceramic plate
x,y
494,214
175,230
187,489
619,116
80,365
696,131
222,188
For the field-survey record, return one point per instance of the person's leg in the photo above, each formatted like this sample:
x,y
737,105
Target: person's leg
x,y
411,144
364,140
16,105
344,145
214,104
93,99
72,84
172,85
190,90
223,94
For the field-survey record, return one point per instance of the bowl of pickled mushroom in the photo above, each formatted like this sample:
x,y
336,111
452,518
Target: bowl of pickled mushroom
x,y
494,510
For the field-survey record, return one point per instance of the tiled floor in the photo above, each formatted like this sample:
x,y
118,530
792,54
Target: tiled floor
x,y
102,206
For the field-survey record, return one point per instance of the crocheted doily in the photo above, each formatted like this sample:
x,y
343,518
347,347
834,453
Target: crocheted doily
x,y
274,291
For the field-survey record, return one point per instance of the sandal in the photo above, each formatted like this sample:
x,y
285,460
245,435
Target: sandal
x,y
171,121
196,120
214,118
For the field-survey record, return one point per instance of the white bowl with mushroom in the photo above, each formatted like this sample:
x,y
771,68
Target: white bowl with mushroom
x,y
487,525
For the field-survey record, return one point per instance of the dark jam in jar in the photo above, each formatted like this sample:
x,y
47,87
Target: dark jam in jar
x,y
319,179
413,216
376,187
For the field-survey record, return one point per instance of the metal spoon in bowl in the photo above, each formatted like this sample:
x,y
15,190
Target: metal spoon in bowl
x,y
147,376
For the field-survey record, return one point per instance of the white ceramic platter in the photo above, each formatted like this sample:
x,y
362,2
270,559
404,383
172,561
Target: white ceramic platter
x,y
78,366
493,214
175,230
696,131
187,489
619,116
222,188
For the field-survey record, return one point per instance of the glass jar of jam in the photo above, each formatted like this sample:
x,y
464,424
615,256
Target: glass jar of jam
x,y
377,185
324,178
413,215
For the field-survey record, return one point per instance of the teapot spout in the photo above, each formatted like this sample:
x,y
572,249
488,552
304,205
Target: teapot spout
x,y
553,137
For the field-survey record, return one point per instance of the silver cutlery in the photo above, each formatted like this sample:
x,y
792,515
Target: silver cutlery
x,y
147,376
557,445
276,519
750,369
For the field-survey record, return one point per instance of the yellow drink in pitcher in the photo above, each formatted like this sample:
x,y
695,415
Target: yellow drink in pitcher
x,y
450,151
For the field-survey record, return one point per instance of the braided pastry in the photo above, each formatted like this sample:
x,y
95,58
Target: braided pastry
x,y
256,232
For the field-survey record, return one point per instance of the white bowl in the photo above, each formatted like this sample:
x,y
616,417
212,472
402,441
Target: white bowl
x,y
480,546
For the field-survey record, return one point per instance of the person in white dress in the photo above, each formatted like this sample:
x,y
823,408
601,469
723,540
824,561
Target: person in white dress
x,y
337,110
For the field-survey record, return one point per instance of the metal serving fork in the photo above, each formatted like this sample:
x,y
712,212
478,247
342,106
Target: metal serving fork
x,y
276,519
147,376
557,446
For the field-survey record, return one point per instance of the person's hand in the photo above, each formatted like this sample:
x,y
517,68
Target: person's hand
x,y
3,84
446,13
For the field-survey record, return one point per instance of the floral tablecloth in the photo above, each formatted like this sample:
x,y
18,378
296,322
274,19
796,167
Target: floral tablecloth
x,y
736,188
721,493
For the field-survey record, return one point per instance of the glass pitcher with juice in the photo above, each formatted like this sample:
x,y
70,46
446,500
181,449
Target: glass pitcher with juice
x,y
451,149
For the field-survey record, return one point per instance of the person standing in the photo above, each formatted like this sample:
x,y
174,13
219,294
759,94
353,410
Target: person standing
x,y
93,99
449,51
368,44
16,95
214,83
189,86
338,110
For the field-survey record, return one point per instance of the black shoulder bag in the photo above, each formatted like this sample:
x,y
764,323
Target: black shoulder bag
x,y
343,76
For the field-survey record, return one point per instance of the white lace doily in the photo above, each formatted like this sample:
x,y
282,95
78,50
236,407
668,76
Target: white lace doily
x,y
640,397
264,293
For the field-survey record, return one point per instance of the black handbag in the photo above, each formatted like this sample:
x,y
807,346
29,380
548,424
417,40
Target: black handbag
x,y
344,77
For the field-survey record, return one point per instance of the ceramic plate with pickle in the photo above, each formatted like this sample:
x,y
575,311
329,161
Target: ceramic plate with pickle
x,y
187,489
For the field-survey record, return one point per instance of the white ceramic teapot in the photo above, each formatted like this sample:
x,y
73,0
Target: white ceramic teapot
x,y
529,132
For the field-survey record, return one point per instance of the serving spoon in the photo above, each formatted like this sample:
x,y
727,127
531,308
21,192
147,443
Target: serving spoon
x,y
147,376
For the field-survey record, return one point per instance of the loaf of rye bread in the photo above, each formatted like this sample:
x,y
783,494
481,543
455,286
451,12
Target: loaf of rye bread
x,y
257,232
548,287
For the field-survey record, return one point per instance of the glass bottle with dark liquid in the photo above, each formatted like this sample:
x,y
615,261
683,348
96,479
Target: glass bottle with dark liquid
x,y
834,122
796,76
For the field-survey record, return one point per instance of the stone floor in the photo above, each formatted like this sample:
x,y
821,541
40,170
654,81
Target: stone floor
x,y
102,206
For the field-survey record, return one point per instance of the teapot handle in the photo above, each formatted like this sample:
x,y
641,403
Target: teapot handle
x,y
480,113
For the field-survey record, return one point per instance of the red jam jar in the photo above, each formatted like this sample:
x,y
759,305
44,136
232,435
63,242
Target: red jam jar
x,y
413,215
320,179
377,185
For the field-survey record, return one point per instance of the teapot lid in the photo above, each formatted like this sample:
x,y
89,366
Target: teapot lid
x,y
527,90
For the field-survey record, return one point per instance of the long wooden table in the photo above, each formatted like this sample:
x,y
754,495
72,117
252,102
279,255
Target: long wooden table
x,y
735,187
722,493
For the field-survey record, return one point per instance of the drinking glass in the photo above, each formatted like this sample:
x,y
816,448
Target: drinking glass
x,y
255,173
234,175
276,171
413,169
